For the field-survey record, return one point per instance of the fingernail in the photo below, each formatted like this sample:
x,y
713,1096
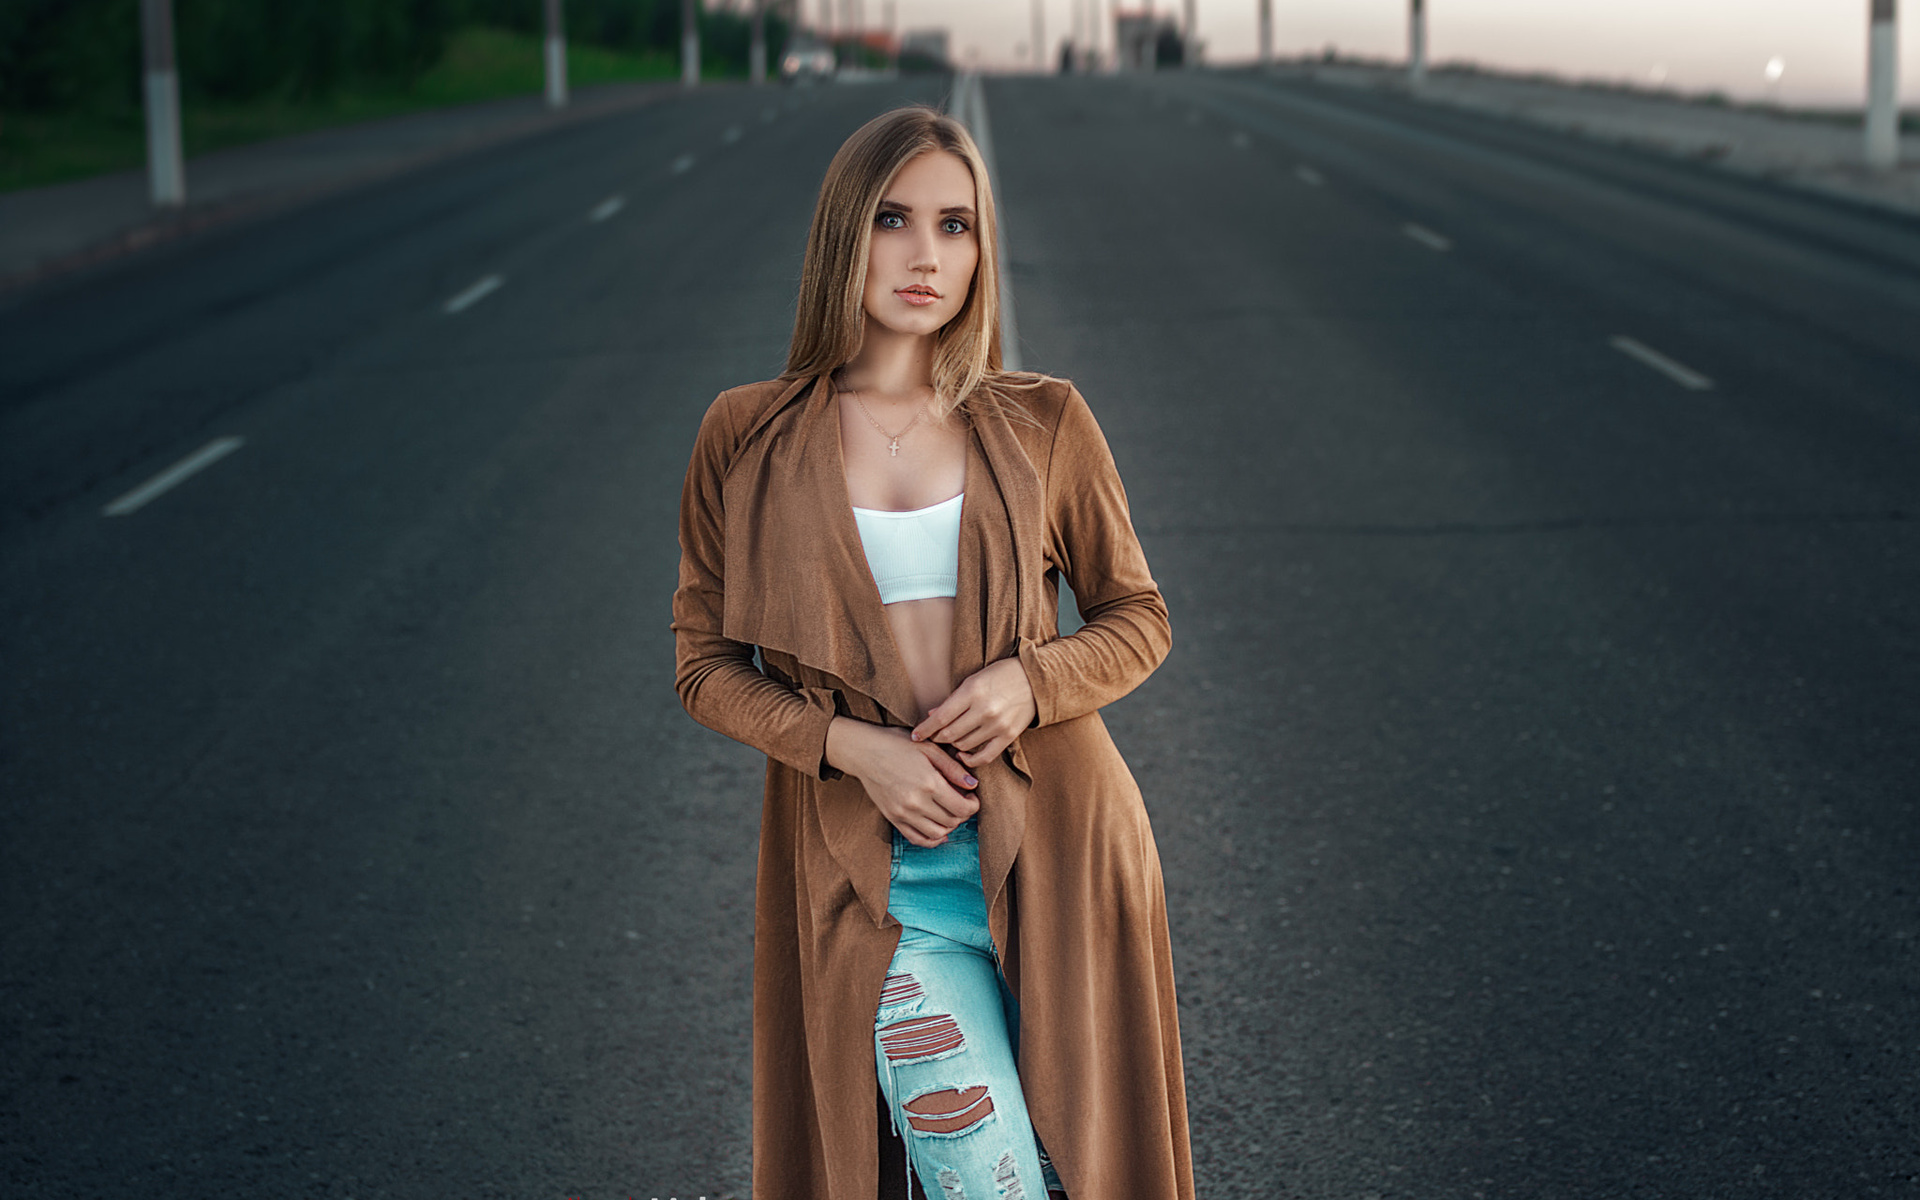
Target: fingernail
x,y
972,782
914,736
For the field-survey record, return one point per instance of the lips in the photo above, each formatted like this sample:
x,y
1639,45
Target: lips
x,y
918,294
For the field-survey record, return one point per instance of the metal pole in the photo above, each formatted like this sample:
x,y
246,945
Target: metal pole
x,y
1039,36
1189,53
757,50
1883,86
1266,33
166,172
556,57
1417,44
689,42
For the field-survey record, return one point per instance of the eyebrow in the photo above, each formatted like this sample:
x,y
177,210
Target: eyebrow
x,y
907,208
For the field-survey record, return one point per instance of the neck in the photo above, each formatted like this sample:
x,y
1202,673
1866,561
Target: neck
x,y
890,365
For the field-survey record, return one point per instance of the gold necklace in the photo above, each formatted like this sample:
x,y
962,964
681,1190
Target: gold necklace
x,y
893,445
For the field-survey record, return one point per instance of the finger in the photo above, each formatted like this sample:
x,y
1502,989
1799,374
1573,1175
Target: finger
x,y
966,729
959,805
987,752
940,730
950,769
925,825
926,841
936,718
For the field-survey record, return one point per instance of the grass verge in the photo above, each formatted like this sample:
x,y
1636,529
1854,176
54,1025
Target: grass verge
x,y
480,64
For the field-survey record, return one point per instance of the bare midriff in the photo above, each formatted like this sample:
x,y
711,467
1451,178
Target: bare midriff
x,y
923,630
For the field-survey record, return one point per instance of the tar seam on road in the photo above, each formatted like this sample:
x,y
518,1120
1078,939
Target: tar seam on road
x,y
607,207
1890,516
473,295
1683,375
200,459
1427,237
970,106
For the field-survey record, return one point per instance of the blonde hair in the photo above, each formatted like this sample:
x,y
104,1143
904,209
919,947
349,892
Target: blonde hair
x,y
829,321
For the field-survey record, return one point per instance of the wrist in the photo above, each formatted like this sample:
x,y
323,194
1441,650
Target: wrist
x,y
845,737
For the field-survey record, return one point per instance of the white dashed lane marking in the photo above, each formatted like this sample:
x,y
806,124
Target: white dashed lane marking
x,y
199,460
1309,176
473,295
607,207
683,164
1427,237
1681,374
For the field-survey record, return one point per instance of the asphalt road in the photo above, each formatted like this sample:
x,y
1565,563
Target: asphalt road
x,y
1533,772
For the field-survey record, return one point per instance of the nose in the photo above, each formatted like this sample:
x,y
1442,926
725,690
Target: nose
x,y
926,253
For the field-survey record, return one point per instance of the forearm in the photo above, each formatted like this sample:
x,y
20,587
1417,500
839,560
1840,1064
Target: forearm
x,y
729,695
1113,653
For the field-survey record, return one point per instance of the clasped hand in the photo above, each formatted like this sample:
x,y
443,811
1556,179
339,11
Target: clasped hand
x,y
920,788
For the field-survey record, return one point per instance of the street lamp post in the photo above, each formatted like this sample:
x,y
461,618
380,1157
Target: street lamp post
x,y
166,173
1189,53
757,49
689,43
1266,33
1417,43
1883,86
556,57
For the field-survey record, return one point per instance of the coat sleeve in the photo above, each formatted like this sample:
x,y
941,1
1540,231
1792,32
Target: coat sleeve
x,y
1127,633
715,675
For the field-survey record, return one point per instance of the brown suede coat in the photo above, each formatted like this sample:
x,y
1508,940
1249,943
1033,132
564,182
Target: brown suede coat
x,y
771,558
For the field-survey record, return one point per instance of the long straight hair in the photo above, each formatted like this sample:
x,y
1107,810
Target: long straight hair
x,y
829,321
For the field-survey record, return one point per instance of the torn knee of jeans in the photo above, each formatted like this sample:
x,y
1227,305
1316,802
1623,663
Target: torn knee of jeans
x,y
1006,1177
947,1112
900,991
922,1039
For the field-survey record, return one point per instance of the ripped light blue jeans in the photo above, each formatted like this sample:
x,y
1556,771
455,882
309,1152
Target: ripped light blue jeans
x,y
947,1032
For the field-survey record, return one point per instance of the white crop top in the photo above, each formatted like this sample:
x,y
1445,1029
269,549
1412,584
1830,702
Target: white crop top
x,y
913,555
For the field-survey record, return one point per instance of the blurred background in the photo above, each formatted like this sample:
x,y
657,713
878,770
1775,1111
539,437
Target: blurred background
x,y
1519,405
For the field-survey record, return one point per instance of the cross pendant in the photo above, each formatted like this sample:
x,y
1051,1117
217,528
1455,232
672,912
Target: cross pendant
x,y
893,448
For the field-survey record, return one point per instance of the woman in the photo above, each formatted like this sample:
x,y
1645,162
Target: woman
x,y
956,871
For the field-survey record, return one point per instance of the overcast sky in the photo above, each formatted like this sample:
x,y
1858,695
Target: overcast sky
x,y
1699,44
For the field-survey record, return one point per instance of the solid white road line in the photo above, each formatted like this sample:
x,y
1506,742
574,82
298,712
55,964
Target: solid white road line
x,y
473,295
1685,376
200,459
1309,176
973,113
1427,237
607,207
683,164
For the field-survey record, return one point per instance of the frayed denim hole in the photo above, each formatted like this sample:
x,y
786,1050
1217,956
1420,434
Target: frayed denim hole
x,y
956,1104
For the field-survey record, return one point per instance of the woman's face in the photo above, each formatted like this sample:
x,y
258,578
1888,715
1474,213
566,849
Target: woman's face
x,y
924,249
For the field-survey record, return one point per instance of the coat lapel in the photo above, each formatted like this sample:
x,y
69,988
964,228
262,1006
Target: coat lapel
x,y
997,601
797,577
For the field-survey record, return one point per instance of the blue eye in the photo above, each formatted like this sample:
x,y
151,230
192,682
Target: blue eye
x,y
959,225
884,217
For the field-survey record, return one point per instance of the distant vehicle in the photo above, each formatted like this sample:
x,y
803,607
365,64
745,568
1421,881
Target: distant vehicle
x,y
806,62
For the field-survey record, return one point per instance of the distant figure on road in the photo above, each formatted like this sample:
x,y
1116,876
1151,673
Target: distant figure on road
x,y
956,870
